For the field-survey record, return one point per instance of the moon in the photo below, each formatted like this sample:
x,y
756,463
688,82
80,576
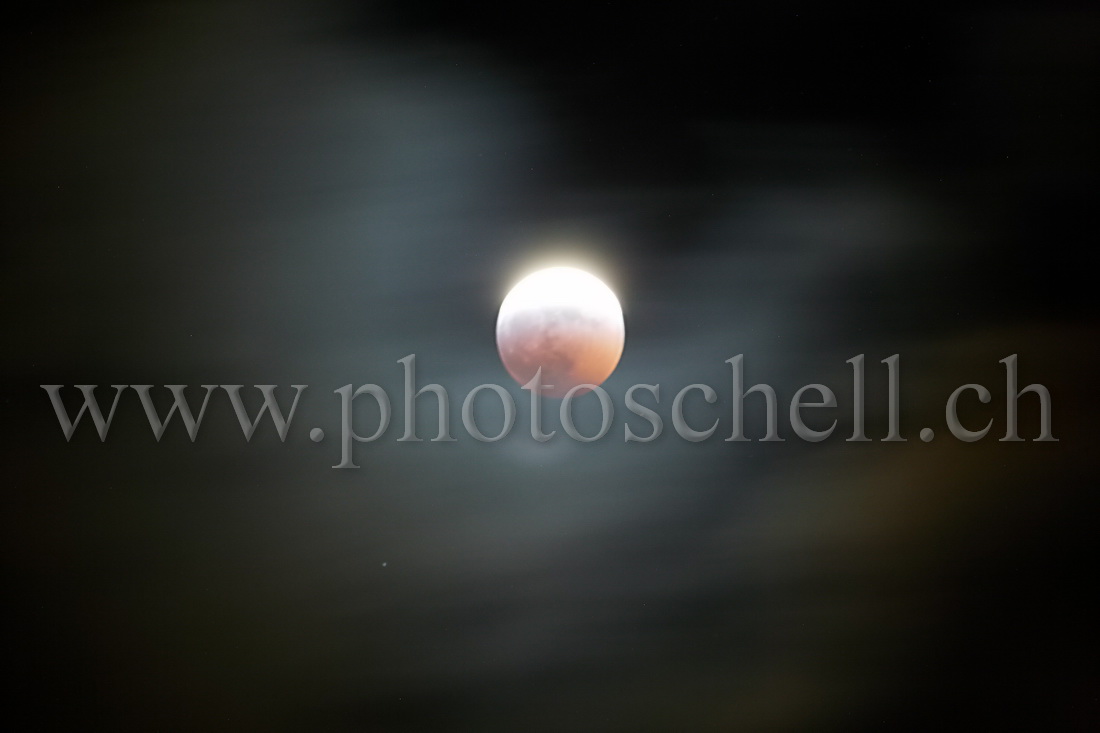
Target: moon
x,y
566,321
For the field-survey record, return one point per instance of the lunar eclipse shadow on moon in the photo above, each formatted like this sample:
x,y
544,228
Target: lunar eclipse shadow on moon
x,y
566,322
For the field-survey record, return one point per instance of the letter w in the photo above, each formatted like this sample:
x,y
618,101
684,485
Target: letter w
x,y
179,404
270,405
90,405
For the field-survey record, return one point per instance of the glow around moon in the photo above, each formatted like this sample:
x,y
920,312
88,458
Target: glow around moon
x,y
566,321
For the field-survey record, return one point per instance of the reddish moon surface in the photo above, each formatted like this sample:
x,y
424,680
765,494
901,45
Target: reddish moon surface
x,y
566,321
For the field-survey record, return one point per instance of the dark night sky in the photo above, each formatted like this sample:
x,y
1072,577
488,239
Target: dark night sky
x,y
304,193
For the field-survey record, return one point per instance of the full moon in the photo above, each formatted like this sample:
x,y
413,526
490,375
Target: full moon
x,y
565,321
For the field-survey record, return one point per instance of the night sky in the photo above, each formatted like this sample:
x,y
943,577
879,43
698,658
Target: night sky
x,y
304,193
